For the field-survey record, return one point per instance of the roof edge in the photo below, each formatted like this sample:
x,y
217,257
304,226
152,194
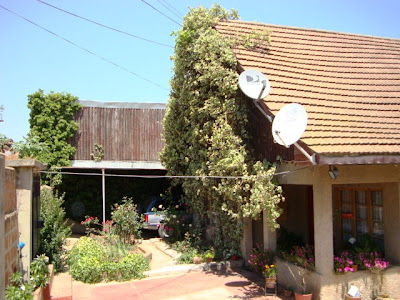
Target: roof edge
x,y
110,164
378,159
135,105
313,29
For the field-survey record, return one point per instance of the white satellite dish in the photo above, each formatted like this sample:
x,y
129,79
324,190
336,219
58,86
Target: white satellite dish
x,y
252,82
289,124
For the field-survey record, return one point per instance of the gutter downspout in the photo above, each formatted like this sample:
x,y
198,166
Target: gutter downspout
x,y
311,158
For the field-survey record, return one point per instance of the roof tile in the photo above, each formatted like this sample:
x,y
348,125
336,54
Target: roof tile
x,y
349,84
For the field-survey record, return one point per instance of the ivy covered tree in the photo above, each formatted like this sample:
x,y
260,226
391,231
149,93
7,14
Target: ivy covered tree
x,y
206,132
52,126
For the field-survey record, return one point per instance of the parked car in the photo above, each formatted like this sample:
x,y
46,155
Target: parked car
x,y
153,220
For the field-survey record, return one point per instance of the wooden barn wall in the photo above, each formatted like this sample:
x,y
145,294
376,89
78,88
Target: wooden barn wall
x,y
262,140
126,134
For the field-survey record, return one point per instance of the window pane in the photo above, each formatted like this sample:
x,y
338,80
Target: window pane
x,y
346,208
377,198
345,196
378,229
377,213
361,197
347,225
362,227
347,236
361,212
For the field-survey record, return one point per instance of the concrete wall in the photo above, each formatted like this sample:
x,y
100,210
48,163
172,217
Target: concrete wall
x,y
333,287
11,224
25,170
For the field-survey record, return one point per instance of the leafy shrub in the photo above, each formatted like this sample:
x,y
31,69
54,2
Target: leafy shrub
x,y
83,247
287,241
177,221
301,256
55,231
39,271
90,262
260,258
18,289
128,222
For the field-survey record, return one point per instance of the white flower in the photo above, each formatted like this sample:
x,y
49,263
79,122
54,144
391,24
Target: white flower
x,y
352,240
23,287
176,206
177,221
160,206
174,216
190,225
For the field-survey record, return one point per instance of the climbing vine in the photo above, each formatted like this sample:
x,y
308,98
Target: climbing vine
x,y
52,126
205,131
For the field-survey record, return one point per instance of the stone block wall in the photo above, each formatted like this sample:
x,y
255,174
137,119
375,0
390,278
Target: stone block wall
x,y
11,224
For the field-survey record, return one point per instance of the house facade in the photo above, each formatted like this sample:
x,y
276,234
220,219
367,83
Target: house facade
x,y
343,179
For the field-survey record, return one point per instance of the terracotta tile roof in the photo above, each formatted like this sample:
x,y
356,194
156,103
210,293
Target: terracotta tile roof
x,y
349,84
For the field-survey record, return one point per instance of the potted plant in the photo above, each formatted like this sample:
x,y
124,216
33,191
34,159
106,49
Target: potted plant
x,y
288,291
40,275
209,255
270,276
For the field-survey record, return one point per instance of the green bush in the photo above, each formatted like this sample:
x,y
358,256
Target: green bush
x,y
89,261
55,231
18,289
39,271
128,222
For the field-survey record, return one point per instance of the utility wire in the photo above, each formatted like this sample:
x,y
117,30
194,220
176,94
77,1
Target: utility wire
x,y
105,26
84,49
169,9
161,12
181,15
169,176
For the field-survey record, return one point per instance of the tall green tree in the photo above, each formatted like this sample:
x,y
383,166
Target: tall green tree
x,y
206,131
52,126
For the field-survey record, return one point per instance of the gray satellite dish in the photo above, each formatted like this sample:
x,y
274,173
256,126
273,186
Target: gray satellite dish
x,y
289,124
254,84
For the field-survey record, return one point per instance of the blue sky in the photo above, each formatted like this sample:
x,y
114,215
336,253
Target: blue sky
x,y
31,58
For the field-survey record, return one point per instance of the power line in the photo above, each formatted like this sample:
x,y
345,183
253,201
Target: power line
x,y
84,49
170,176
161,12
173,8
169,9
105,26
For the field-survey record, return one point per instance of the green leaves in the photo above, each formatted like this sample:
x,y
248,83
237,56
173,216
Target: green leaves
x,y
206,130
51,128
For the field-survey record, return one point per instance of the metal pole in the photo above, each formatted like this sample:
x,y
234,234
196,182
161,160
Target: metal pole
x,y
103,177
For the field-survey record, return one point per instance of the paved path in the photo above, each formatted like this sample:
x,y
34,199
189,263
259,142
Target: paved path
x,y
183,282
191,286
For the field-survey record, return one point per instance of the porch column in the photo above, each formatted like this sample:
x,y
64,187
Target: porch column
x,y
246,244
269,236
323,224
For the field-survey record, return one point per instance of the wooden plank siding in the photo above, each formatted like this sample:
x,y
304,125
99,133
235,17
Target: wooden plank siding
x,y
262,140
127,134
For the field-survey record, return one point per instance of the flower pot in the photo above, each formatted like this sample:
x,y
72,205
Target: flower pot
x,y
347,297
46,292
197,260
302,296
209,259
355,268
270,283
287,293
